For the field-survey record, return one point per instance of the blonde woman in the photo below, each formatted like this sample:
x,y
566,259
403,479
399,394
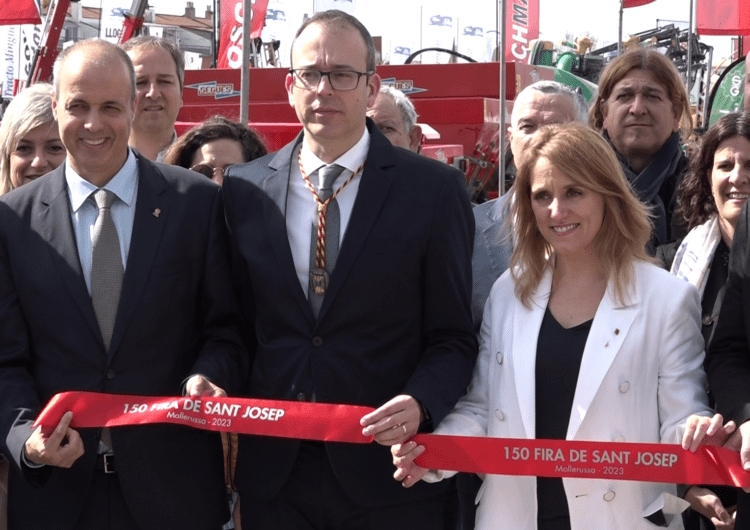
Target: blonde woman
x,y
582,339
30,144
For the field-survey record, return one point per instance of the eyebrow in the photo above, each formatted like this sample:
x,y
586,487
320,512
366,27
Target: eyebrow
x,y
648,89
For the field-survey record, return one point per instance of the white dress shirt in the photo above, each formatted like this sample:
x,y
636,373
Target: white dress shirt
x,y
84,210
302,210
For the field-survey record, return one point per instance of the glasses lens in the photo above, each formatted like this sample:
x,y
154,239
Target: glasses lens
x,y
307,78
204,169
344,80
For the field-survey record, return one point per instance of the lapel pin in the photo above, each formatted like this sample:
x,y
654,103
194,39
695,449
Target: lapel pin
x,y
157,212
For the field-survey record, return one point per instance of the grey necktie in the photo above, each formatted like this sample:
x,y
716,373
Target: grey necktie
x,y
326,177
106,267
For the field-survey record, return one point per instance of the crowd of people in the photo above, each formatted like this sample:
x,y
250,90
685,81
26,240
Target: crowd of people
x,y
601,299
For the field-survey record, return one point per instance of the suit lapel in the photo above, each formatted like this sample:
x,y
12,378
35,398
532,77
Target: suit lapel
x,y
526,326
608,331
144,243
57,228
374,186
276,186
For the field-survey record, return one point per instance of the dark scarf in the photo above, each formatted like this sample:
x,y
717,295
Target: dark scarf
x,y
648,182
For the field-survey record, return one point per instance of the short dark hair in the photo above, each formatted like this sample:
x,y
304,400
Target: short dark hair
x,y
215,128
695,199
149,41
335,18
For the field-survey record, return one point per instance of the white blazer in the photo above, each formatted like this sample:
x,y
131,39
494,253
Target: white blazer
x,y
641,376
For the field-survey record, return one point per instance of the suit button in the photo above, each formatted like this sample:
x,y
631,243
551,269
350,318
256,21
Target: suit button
x,y
499,414
707,319
609,496
499,357
317,341
301,397
624,387
111,374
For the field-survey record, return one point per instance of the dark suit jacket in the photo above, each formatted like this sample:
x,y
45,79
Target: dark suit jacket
x,y
396,318
177,316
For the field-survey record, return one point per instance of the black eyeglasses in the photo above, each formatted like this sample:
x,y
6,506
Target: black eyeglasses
x,y
339,79
209,171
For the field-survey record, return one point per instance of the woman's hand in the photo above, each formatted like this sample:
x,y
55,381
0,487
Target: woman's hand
x,y
407,472
702,430
706,503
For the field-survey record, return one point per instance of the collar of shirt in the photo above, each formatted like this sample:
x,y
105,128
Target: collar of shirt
x,y
350,160
122,184
163,153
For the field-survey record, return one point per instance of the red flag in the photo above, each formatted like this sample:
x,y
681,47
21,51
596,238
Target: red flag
x,y
521,27
728,17
259,18
635,3
230,44
19,12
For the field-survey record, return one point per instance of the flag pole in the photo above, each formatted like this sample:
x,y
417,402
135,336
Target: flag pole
x,y
619,39
690,50
501,14
245,77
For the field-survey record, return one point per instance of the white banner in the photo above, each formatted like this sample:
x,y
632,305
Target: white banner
x,y
112,19
31,39
402,46
193,61
438,31
9,36
282,21
347,6
471,37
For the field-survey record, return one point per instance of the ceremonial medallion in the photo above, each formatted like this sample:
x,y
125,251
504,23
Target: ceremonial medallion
x,y
319,280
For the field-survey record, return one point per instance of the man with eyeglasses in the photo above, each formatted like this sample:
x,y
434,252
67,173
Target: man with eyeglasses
x,y
356,292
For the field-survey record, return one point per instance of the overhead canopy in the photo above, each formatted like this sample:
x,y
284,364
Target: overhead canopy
x,y
723,17
19,12
635,3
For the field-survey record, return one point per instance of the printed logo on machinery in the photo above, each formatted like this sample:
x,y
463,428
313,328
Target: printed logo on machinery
x,y
404,85
215,89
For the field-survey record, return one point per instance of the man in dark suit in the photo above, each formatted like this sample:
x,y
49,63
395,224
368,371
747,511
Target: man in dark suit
x,y
113,278
388,326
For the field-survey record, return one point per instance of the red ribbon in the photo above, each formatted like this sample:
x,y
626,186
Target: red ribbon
x,y
285,419
645,462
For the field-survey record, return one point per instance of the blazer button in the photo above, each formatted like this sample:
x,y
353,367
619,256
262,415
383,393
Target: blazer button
x,y
499,414
317,341
301,397
111,374
707,319
499,357
624,387
609,496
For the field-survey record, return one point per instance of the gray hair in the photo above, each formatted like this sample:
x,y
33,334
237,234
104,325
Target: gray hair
x,y
149,41
403,103
28,110
553,88
110,50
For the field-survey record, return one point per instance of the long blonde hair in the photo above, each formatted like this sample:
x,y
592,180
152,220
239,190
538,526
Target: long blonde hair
x,y
585,157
